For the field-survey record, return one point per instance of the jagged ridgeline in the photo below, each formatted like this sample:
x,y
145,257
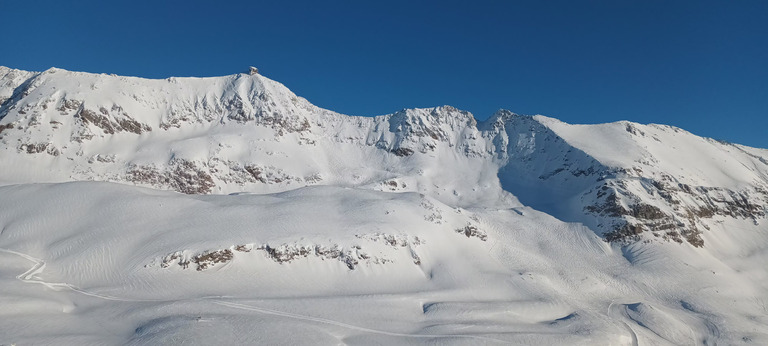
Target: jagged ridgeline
x,y
247,133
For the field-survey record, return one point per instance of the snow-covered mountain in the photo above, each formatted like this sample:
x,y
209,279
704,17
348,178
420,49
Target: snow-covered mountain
x,y
248,133
424,225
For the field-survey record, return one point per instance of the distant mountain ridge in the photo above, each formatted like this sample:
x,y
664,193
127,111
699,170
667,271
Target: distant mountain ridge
x,y
247,133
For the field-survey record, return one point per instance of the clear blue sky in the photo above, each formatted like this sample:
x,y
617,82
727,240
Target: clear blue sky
x,y
699,65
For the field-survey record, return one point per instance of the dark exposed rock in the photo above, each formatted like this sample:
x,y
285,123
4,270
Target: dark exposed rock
x,y
265,174
34,148
189,179
243,248
68,105
634,130
6,127
177,257
203,261
402,152
393,185
286,253
625,233
131,125
104,118
182,175
263,113
284,124
692,206
472,231
210,258
233,172
551,174
256,172
90,117
611,207
350,256
646,211
237,110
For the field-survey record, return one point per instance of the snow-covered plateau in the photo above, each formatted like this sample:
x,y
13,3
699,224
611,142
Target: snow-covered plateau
x,y
228,210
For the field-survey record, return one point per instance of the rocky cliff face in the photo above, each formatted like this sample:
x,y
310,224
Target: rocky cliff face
x,y
248,133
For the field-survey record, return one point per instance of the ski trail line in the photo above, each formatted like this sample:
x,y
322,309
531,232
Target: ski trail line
x,y
349,326
39,265
613,313
28,277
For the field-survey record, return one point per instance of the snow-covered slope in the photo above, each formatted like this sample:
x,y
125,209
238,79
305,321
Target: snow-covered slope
x,y
102,263
419,226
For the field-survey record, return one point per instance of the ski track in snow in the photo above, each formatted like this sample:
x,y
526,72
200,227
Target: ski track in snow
x,y
39,266
28,275
349,326
617,315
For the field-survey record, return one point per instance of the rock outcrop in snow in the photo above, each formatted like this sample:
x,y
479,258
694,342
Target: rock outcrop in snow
x,y
246,132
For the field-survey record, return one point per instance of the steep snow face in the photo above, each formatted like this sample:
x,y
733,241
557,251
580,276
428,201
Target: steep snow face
x,y
246,132
625,179
10,80
537,165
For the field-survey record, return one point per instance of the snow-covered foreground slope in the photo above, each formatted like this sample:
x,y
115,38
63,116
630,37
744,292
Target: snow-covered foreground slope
x,y
94,263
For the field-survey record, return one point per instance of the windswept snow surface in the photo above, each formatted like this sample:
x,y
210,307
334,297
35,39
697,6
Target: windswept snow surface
x,y
228,210
82,264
